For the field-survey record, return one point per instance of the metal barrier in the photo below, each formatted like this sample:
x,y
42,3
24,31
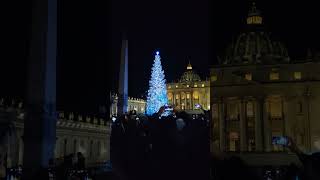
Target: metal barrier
x,y
16,174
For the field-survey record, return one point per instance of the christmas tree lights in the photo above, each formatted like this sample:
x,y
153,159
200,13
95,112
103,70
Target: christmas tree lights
x,y
157,93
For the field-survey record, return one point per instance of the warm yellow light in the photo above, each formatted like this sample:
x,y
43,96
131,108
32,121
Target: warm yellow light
x,y
297,75
254,20
187,85
214,78
202,85
177,86
274,76
195,85
188,96
196,95
169,87
248,76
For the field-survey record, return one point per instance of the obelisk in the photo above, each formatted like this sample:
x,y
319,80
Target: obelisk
x,y
123,79
40,123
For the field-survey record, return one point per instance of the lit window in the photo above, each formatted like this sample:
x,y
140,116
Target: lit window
x,y
274,76
248,76
187,85
195,95
297,75
195,85
214,78
202,85
169,87
183,96
177,86
188,96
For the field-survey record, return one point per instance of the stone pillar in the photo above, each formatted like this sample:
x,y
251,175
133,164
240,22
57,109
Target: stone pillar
x,y
243,126
307,124
285,116
266,128
123,79
40,122
57,148
20,161
185,101
189,101
222,125
258,124
191,97
180,100
173,99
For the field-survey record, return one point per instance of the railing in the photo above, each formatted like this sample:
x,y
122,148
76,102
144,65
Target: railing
x,y
16,174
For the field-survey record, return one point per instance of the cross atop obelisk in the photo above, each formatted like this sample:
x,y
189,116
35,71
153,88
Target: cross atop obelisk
x,y
123,78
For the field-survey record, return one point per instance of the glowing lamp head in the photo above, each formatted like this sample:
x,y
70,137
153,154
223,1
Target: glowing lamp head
x,y
114,119
157,52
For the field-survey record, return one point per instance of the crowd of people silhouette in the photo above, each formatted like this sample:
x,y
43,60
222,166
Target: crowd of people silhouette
x,y
176,145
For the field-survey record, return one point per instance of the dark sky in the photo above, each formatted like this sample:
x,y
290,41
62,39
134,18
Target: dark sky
x,y
89,36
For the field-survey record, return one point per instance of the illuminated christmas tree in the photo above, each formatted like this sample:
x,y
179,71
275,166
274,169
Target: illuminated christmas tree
x,y
157,93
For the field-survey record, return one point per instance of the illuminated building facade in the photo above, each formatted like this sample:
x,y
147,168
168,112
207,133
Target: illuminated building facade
x,y
133,104
189,90
257,92
74,133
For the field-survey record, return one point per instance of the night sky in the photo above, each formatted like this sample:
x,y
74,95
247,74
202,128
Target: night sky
x,y
89,37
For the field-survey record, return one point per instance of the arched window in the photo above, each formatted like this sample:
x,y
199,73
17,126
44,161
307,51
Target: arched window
x,y
275,108
234,143
183,95
250,109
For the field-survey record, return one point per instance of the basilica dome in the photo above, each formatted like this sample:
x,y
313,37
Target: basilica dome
x,y
190,75
254,45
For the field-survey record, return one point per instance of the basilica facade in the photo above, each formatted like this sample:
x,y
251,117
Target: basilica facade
x,y
188,91
257,92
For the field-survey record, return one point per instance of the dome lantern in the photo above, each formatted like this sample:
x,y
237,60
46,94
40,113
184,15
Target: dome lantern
x,y
190,75
254,15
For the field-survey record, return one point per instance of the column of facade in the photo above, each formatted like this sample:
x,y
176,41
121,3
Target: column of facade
x,y
243,126
20,160
173,99
267,128
56,148
258,124
285,110
185,100
306,111
180,100
190,100
222,125
192,105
